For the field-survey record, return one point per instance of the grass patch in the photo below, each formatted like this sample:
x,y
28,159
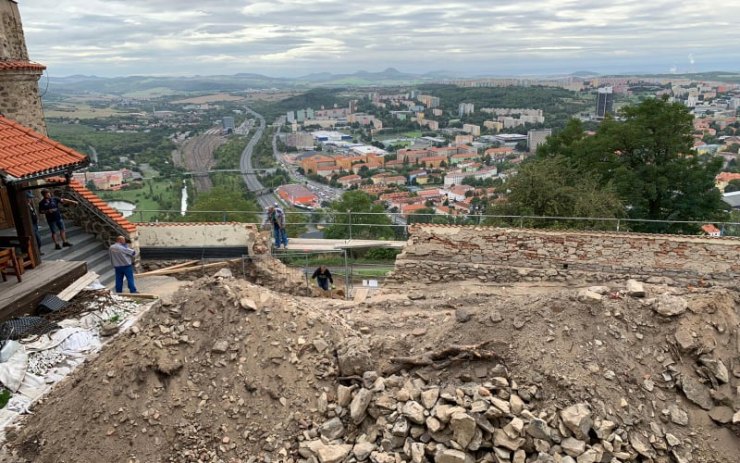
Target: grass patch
x,y
5,396
157,194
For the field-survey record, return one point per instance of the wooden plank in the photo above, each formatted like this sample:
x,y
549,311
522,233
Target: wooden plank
x,y
48,278
171,267
361,294
190,269
139,296
81,283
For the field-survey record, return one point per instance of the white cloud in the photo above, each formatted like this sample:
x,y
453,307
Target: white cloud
x,y
282,37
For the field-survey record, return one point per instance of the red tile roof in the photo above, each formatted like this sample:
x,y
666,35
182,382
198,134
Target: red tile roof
x,y
102,206
25,153
20,65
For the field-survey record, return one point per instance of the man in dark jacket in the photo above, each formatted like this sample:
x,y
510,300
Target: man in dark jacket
x,y
323,278
51,208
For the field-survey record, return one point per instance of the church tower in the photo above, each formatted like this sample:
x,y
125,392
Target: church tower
x,y
19,89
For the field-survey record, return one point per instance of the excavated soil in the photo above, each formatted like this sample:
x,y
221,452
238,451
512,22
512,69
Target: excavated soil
x,y
233,371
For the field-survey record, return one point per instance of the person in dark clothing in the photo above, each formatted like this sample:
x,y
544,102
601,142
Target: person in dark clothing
x,y
51,208
34,220
323,278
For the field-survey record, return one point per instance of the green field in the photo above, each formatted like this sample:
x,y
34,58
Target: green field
x,y
163,195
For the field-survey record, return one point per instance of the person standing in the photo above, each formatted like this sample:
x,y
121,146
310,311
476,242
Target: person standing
x,y
322,275
277,218
51,208
34,220
122,259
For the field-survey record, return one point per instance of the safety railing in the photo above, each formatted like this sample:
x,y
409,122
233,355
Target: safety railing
x,y
365,225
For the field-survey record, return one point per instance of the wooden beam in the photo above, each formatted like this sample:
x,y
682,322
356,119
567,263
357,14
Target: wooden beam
x,y
190,269
171,267
81,283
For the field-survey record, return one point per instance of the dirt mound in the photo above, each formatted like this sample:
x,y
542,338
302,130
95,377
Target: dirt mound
x,y
234,372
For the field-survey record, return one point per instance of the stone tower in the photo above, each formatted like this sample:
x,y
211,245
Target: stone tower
x,y
19,77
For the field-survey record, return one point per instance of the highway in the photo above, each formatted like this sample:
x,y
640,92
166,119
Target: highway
x,y
264,198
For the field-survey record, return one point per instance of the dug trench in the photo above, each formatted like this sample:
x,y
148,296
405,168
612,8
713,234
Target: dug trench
x,y
233,371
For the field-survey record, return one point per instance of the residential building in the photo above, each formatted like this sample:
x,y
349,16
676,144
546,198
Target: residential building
x,y
462,157
463,139
349,180
463,109
604,102
493,125
471,129
429,101
300,140
319,162
228,124
456,177
438,112
724,178
711,230
111,180
432,125
457,192
537,137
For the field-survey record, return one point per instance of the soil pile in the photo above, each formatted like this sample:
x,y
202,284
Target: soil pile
x,y
230,371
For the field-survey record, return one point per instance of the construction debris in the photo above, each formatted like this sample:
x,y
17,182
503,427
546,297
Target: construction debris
x,y
232,371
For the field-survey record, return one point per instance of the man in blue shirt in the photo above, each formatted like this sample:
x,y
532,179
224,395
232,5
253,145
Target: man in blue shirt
x,y
51,208
122,258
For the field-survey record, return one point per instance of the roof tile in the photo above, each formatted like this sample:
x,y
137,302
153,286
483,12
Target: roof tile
x,y
24,152
20,65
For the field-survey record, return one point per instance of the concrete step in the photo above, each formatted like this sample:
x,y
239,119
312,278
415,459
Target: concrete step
x,y
82,247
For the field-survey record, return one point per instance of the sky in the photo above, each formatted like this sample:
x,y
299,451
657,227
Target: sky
x,y
290,38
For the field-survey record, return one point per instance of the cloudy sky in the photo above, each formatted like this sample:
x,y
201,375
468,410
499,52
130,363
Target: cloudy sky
x,y
297,37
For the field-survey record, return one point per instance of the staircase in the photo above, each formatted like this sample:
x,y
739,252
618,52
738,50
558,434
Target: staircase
x,y
85,247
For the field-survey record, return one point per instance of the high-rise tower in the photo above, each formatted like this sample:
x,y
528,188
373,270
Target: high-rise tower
x,y
604,102
19,78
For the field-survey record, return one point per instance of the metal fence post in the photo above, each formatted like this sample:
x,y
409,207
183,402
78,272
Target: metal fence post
x,y
349,214
618,224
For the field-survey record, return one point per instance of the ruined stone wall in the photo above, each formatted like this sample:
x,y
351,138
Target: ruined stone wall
x,y
20,99
488,254
12,41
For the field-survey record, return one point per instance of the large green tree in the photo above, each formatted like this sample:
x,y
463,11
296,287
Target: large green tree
x,y
645,156
364,226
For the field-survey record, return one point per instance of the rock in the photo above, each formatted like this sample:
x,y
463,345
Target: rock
x,y
721,414
539,429
641,444
589,456
462,315
585,295
223,273
684,339
332,429
320,345
520,456
696,392
501,404
463,428
344,395
577,418
453,456
362,450
108,329
400,428
716,367
635,288
736,418
495,316
421,331
677,415
414,411
417,452
333,453
429,397
353,357
358,407
433,424
516,403
500,439
220,347
669,305
600,290
672,440
247,304
573,447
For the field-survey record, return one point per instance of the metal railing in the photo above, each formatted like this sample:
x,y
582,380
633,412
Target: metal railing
x,y
356,225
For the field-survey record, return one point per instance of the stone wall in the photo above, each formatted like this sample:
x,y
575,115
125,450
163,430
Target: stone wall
x,y
244,238
12,41
20,100
488,254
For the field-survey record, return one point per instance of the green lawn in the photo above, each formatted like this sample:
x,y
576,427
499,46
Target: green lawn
x,y
163,195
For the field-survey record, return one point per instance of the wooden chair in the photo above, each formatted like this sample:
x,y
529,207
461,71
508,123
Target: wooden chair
x,y
8,260
22,245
